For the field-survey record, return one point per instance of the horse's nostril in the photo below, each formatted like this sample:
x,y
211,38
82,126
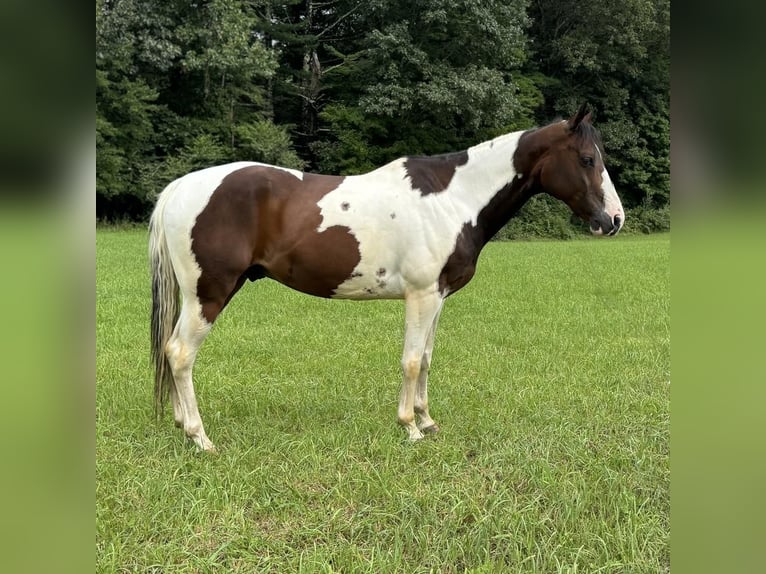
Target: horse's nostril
x,y
617,221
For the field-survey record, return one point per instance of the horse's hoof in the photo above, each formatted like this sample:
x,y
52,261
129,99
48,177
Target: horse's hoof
x,y
432,429
204,444
414,436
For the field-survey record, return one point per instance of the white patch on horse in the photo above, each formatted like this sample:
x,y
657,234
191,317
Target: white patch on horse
x,y
414,246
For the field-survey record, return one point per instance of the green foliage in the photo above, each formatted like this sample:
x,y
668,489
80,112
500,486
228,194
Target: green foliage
x,y
348,152
221,44
202,151
646,219
615,55
343,87
263,141
124,131
542,216
178,87
438,76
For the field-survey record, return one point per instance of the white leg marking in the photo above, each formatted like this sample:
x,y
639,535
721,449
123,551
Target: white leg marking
x,y
178,413
182,347
426,423
421,308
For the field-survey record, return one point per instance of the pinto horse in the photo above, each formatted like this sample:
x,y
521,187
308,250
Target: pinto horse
x,y
412,229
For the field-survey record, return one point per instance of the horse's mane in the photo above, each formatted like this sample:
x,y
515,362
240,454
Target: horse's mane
x,y
586,132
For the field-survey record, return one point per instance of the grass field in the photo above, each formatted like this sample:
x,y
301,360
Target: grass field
x,y
550,382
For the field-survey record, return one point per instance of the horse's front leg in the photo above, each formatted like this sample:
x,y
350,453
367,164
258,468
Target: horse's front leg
x,y
425,423
421,310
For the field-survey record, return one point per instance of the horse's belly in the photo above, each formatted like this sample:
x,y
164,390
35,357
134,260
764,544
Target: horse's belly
x,y
375,285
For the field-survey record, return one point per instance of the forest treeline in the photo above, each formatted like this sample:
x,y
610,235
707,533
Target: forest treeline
x,y
342,86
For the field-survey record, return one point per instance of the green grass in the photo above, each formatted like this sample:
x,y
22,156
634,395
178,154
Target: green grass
x,y
550,382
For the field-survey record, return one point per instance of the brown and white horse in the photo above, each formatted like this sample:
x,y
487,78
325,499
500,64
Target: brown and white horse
x,y
412,229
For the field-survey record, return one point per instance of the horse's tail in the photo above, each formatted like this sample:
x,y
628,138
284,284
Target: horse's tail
x,y
165,306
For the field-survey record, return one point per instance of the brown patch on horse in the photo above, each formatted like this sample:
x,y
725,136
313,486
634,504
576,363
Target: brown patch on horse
x,y
461,264
432,174
532,144
262,222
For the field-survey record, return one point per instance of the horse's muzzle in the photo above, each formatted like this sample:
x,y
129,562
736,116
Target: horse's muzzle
x,y
604,224
616,225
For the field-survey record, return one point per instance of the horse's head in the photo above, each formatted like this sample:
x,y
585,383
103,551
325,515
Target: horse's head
x,y
565,161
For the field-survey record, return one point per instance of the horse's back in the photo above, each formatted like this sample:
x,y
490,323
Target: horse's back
x,y
364,236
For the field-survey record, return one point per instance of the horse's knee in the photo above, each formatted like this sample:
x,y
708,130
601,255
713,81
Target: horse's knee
x,y
411,368
177,354
182,351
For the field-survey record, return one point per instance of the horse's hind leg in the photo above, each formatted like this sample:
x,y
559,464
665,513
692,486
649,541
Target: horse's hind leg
x,y
194,323
181,349
178,413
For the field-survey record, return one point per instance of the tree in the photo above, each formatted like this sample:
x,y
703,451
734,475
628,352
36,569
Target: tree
x,y
179,86
427,77
615,55
344,86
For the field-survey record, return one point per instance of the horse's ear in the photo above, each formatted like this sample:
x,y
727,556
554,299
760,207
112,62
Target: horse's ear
x,y
582,115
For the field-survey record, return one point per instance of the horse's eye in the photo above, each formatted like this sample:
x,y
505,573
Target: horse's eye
x,y
587,161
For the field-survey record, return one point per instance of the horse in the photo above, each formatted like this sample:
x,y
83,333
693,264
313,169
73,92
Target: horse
x,y
412,229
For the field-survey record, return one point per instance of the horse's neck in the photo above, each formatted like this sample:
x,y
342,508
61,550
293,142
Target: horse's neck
x,y
490,164
489,181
